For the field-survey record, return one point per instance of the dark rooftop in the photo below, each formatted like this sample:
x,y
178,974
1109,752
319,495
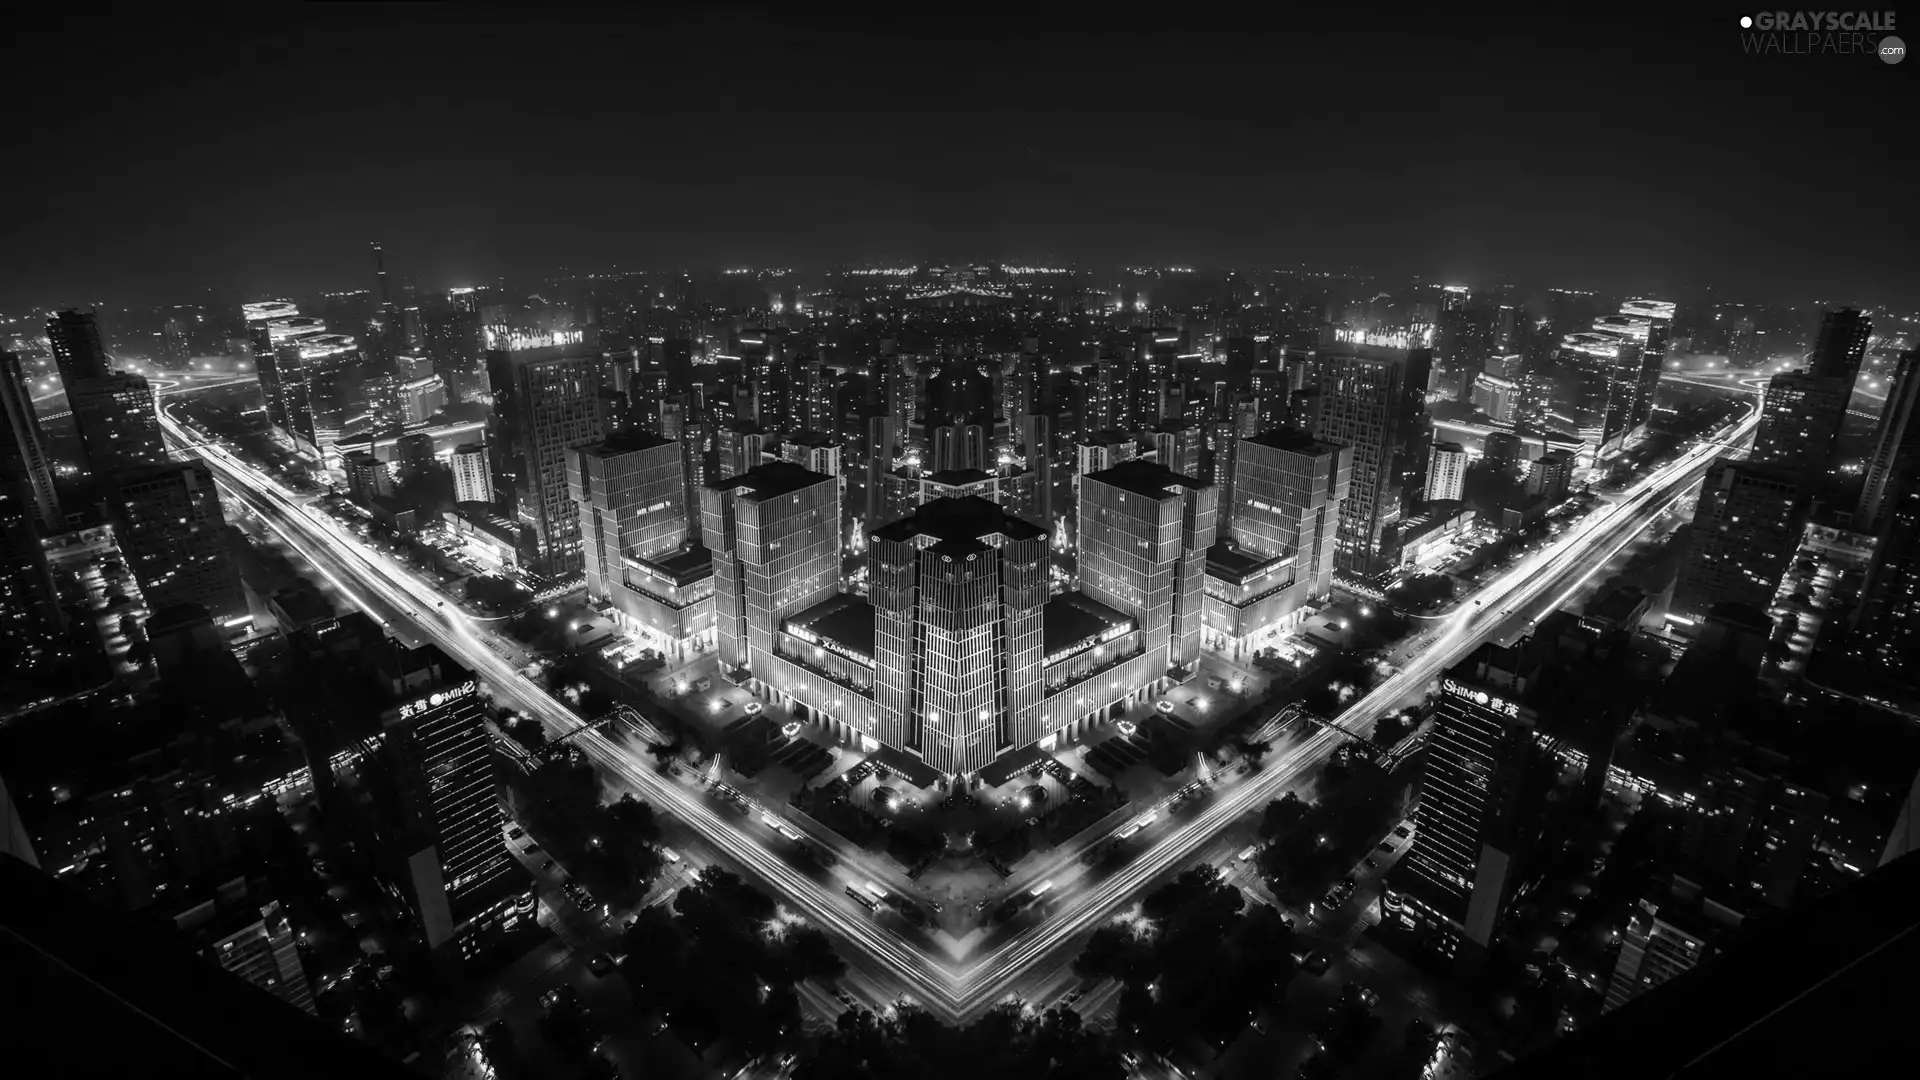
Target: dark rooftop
x,y
845,619
683,565
1234,563
626,442
1289,439
1107,437
959,477
960,522
1071,618
770,480
1148,478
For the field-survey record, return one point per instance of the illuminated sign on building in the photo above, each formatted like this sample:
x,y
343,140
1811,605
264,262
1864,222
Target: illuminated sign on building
x,y
438,698
499,337
1390,339
1088,642
1480,697
811,638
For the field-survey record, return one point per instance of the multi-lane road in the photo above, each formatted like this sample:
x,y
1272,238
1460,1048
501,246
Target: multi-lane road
x,y
1502,608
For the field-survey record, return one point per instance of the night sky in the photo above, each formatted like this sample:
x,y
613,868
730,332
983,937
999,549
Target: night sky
x,y
260,155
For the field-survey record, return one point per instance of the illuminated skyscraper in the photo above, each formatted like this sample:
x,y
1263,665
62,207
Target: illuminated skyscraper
x,y
1373,398
32,634
1143,540
1446,472
774,531
1841,345
1471,835
1800,423
472,474
1746,528
546,401
77,349
23,446
958,592
1895,453
1887,626
634,528
448,845
118,423
1667,936
168,524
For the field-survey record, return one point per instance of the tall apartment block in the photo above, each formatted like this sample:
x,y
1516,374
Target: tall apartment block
x,y
1446,472
546,401
168,523
472,474
1746,528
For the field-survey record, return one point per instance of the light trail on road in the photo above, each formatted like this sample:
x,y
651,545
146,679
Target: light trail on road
x,y
958,995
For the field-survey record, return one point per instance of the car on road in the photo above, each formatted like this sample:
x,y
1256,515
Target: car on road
x,y
1364,995
787,1061
1073,996
558,995
1316,963
1131,1059
601,964
669,854
1371,863
549,866
1385,848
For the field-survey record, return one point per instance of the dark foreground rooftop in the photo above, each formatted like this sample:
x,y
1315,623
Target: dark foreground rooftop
x,y
1829,991
93,992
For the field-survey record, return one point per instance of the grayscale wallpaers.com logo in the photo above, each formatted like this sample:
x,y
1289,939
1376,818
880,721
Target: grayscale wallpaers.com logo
x,y
1810,33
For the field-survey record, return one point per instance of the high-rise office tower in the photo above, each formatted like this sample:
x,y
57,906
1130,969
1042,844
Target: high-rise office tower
x,y
283,383
1143,540
1800,423
448,850
775,535
546,400
629,490
1472,835
1497,397
1895,453
77,349
24,445
472,474
1373,399
958,591
1841,345
118,424
1746,528
1658,319
420,398
1287,490
1446,472
815,450
1668,935
1599,371
168,524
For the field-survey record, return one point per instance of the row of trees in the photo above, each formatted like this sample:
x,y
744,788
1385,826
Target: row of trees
x,y
723,963
1009,1041
612,848
1196,962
